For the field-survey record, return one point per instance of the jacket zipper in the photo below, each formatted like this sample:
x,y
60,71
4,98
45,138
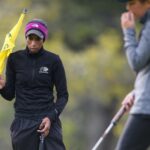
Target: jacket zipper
x,y
33,70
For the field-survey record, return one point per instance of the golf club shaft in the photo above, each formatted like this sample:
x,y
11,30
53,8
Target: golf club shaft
x,y
103,136
118,115
114,121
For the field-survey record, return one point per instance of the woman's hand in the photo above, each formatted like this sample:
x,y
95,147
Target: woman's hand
x,y
127,20
45,126
128,101
2,82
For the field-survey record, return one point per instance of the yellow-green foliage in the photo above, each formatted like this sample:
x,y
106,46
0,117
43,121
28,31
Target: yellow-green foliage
x,y
99,73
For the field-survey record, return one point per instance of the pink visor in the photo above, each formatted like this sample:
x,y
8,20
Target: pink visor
x,y
36,26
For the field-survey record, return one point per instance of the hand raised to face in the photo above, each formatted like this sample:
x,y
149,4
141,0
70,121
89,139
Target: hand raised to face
x,y
127,20
2,82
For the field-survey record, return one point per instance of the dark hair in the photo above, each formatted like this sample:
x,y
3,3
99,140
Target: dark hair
x,y
143,1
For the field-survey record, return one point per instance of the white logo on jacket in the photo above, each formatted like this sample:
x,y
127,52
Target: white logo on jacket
x,y
43,70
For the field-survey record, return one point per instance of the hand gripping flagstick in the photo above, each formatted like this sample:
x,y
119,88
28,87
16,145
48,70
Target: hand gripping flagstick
x,y
114,121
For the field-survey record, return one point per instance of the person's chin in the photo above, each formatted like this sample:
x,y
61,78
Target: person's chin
x,y
33,50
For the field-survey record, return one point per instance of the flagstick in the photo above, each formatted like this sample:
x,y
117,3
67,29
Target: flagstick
x,y
25,11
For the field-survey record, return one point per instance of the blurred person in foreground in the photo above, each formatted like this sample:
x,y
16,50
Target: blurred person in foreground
x,y
31,75
136,134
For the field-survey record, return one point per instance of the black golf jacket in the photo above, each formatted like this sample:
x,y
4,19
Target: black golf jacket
x,y
31,79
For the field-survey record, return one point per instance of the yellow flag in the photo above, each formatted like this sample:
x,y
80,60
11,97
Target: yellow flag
x,y
9,42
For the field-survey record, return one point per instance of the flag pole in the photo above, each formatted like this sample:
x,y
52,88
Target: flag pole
x,y
25,11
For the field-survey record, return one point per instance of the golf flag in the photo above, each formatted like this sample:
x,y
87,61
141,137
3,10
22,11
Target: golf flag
x,y
9,42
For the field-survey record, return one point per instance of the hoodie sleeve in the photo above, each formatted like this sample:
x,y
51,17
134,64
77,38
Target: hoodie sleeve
x,y
59,79
138,52
8,92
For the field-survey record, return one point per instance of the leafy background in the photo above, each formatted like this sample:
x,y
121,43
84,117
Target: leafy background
x,y
87,36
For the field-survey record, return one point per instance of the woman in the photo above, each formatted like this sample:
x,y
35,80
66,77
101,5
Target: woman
x,y
136,134
31,75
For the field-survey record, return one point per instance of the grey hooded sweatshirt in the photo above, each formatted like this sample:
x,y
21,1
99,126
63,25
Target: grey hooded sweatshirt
x,y
138,55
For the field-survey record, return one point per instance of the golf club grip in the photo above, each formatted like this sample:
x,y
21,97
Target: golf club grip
x,y
119,114
41,144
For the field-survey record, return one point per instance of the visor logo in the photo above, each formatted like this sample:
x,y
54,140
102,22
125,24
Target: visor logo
x,y
35,25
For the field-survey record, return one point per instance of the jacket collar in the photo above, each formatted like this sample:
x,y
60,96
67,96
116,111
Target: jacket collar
x,y
39,53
